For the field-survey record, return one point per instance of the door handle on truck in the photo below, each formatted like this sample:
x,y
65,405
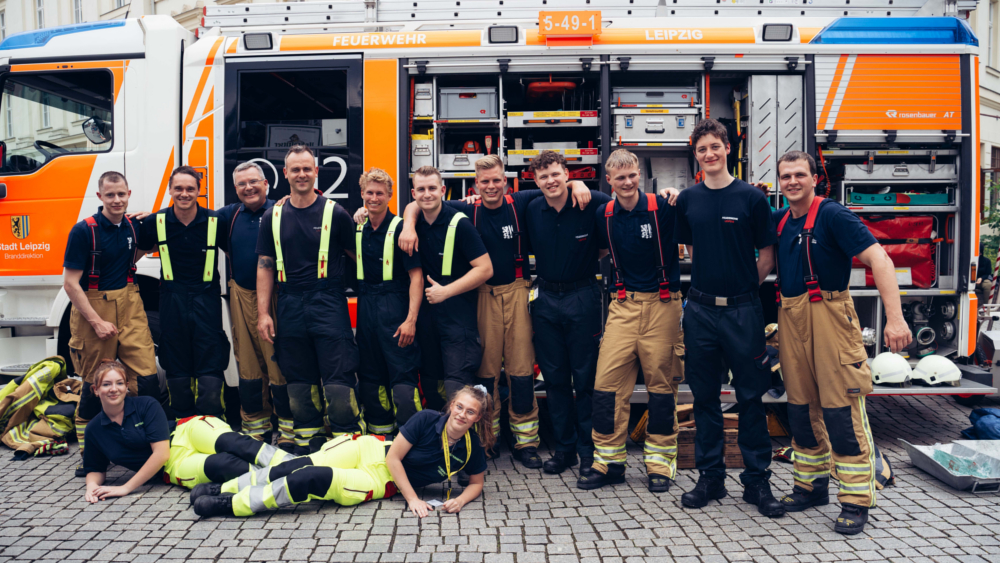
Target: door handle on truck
x,y
3,191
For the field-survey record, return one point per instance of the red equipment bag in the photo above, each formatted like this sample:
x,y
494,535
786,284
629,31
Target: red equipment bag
x,y
909,241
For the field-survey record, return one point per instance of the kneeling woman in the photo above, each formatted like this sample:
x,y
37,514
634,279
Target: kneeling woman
x,y
133,432
349,470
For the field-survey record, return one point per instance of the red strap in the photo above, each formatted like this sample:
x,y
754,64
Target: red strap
x,y
784,219
617,278
813,211
809,277
651,202
653,207
94,275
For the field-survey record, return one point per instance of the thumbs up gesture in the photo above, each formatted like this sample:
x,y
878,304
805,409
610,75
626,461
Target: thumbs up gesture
x,y
435,292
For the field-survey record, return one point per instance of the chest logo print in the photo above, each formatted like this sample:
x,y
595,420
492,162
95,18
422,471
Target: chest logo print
x,y
729,219
646,231
508,232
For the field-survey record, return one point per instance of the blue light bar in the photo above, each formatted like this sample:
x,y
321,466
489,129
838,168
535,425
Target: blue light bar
x,y
40,37
897,31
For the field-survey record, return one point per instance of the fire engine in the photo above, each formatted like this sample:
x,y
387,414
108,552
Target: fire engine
x,y
884,93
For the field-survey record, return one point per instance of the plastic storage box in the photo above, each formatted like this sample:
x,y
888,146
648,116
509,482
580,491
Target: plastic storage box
x,y
654,125
467,103
651,96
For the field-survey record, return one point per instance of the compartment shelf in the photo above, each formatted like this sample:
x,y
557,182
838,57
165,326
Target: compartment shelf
x,y
903,208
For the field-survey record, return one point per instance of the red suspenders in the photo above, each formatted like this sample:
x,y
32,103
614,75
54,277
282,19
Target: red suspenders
x,y
94,275
519,258
810,278
618,276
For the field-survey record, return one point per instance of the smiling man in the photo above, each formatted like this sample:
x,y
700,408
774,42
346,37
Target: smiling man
x,y
107,319
260,376
723,220
194,349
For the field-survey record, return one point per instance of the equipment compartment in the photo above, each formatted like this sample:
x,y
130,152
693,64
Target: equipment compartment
x,y
655,125
654,96
573,156
464,161
467,103
553,119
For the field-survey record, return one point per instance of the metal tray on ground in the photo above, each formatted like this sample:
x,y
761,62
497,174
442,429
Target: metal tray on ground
x,y
982,455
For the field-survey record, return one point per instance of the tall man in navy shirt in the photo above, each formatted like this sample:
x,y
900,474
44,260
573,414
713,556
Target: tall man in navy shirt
x,y
259,373
566,308
194,349
723,220
455,263
107,319
643,327
305,240
391,287
822,356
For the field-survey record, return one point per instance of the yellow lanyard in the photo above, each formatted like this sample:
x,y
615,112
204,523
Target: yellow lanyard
x,y
447,455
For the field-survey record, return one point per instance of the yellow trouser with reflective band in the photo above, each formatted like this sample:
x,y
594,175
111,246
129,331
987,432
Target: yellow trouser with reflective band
x,y
827,378
505,331
347,471
196,440
642,330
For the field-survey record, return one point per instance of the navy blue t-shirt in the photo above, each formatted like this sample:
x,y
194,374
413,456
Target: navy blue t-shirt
x,y
373,247
565,241
468,247
636,246
300,229
424,463
499,228
724,226
118,244
838,236
129,444
187,244
242,235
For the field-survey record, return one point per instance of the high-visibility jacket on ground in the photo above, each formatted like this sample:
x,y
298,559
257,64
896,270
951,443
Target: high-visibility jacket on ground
x,y
37,409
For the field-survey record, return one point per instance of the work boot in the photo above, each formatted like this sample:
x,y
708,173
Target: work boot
x,y
586,463
708,488
205,489
658,483
801,499
852,519
759,493
594,479
463,478
528,457
219,505
80,471
559,462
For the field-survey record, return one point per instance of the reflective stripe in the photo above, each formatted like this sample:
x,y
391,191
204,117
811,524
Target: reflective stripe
x,y
871,448
257,499
810,459
449,244
266,454
261,423
357,249
862,488
388,251
376,429
809,476
161,239
857,468
213,225
525,439
524,426
650,448
244,481
276,233
279,491
324,239
610,451
670,464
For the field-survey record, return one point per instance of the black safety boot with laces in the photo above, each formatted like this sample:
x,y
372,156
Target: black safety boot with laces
x,y
759,493
528,457
219,505
708,488
658,483
852,519
801,499
80,471
205,489
559,462
594,479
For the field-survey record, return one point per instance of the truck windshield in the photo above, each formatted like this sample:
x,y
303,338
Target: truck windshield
x,y
46,114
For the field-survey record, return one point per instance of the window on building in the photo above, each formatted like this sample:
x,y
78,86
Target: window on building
x,y
120,3
9,114
77,11
40,13
990,35
46,116
3,25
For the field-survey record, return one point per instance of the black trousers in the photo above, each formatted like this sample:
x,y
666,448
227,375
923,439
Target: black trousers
x,y
714,338
450,351
194,349
319,358
388,375
568,330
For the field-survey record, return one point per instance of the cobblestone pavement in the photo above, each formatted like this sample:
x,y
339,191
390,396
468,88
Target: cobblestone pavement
x,y
526,517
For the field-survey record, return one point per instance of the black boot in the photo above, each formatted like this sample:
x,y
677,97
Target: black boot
x,y
559,462
658,483
528,457
759,494
586,463
852,519
801,499
80,471
593,479
708,488
220,505
463,478
205,489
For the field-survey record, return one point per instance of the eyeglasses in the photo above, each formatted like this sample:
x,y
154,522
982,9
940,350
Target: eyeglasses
x,y
253,183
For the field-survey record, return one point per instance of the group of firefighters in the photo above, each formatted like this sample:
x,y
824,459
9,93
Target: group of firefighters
x,y
447,300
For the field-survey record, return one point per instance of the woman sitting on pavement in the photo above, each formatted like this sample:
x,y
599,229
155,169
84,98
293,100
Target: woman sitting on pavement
x,y
133,432
349,470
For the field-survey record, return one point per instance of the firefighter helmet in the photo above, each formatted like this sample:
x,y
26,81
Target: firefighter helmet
x,y
891,369
937,370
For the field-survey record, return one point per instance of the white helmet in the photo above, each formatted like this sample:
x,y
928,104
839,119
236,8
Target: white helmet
x,y
937,370
891,369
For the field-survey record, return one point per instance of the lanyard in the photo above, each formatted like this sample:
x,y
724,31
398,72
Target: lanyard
x,y
447,454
